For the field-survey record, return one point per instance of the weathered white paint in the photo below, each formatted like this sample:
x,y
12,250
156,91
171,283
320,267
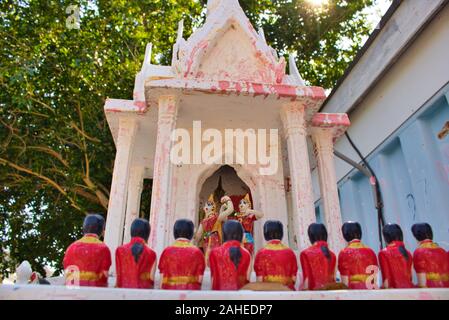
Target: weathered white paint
x,y
162,177
133,202
293,118
118,196
324,153
36,292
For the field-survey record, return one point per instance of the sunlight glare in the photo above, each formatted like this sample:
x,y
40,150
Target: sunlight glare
x,y
317,2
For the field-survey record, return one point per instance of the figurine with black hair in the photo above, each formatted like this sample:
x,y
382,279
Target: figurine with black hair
x,y
276,262
318,262
135,261
182,264
230,264
356,262
87,261
429,259
395,260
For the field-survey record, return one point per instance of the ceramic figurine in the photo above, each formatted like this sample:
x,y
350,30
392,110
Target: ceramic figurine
x,y
24,273
230,264
182,264
318,262
276,263
395,260
246,216
135,261
209,232
357,263
430,261
37,278
88,259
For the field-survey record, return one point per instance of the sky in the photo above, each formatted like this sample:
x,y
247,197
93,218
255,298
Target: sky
x,y
377,11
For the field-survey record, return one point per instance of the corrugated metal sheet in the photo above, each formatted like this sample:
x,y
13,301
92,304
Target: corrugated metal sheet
x,y
413,169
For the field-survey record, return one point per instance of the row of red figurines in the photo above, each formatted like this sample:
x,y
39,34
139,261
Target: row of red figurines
x,y
87,261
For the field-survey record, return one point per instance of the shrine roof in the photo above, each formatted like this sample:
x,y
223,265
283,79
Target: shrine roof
x,y
244,88
338,123
225,55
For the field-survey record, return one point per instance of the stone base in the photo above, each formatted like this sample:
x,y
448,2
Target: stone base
x,y
51,292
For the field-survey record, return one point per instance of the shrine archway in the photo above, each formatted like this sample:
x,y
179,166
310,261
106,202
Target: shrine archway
x,y
248,174
227,180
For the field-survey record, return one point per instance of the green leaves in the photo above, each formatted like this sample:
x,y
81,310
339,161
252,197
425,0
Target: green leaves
x,y
56,150
318,35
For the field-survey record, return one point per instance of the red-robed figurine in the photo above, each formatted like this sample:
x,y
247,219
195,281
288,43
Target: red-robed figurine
x,y
318,262
276,262
87,261
182,264
230,264
246,216
395,260
210,230
357,263
135,261
430,261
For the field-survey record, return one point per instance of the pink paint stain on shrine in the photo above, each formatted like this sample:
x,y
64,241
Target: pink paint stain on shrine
x,y
224,85
259,90
141,106
285,91
425,296
200,46
238,87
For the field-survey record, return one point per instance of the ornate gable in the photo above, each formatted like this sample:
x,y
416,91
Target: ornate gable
x,y
227,48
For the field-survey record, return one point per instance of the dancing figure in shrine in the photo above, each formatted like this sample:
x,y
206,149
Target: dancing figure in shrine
x,y
429,259
246,216
395,260
135,261
318,262
210,229
230,264
357,263
276,262
182,264
87,261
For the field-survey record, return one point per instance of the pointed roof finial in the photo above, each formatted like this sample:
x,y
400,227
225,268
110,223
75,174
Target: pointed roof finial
x,y
294,72
147,59
262,34
180,30
212,5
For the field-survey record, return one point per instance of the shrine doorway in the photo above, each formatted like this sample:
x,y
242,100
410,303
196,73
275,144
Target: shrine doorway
x,y
224,180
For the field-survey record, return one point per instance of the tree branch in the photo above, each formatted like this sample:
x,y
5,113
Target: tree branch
x,y
41,177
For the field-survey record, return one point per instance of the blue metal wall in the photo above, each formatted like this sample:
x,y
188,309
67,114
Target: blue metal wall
x,y
413,169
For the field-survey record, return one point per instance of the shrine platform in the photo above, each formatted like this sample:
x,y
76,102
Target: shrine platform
x,y
52,292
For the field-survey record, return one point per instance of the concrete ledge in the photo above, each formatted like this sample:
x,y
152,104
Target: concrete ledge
x,y
43,292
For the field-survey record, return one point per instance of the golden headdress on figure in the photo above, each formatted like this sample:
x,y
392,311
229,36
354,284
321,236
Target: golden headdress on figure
x,y
248,200
211,200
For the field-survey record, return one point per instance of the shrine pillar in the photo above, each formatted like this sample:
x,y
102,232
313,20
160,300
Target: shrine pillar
x,y
135,186
323,139
294,123
163,170
120,180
